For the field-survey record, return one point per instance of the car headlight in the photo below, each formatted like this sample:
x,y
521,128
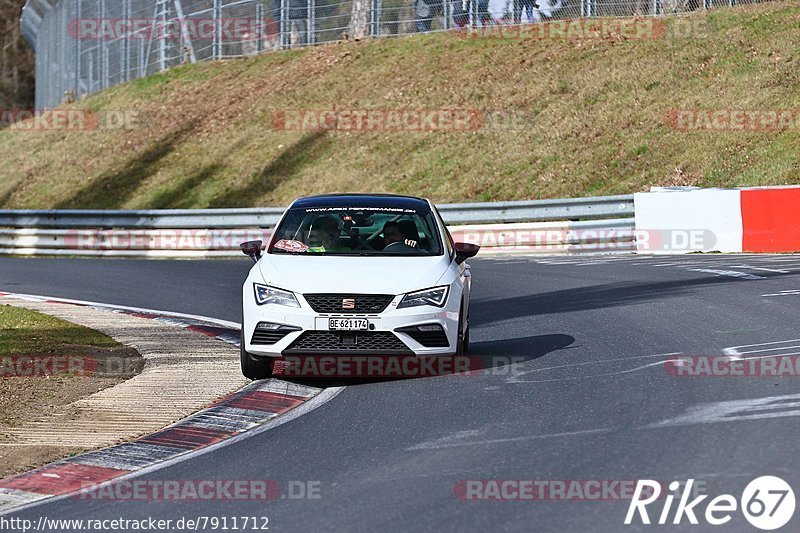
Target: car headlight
x,y
435,296
271,295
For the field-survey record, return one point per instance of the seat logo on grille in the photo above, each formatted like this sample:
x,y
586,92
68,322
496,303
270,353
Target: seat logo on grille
x,y
348,303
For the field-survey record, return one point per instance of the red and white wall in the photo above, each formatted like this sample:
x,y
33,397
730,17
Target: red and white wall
x,y
724,220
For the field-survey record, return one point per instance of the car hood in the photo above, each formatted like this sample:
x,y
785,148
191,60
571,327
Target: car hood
x,y
366,275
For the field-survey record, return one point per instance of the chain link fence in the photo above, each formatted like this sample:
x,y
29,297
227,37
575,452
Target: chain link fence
x,y
84,46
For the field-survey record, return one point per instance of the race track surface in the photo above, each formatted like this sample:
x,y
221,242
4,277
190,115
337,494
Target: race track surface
x,y
591,399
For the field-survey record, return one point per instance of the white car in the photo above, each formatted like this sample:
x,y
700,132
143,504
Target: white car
x,y
355,274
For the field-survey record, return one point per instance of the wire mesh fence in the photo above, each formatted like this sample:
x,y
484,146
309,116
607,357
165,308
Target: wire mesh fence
x,y
83,46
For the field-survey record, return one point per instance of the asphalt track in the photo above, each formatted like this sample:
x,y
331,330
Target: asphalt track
x,y
591,400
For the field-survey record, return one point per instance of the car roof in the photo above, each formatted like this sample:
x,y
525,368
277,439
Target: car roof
x,y
363,200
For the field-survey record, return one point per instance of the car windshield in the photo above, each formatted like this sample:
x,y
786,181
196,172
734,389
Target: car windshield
x,y
356,231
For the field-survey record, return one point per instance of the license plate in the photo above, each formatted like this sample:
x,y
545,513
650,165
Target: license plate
x,y
350,324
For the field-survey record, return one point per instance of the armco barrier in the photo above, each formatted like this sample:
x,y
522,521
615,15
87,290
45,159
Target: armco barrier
x,y
602,224
667,221
759,220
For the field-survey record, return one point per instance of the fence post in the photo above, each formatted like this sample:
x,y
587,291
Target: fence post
x,y
284,25
260,29
78,41
125,58
162,36
217,47
101,47
473,13
375,18
309,22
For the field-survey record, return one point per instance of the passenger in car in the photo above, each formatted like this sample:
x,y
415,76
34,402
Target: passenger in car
x,y
396,241
324,236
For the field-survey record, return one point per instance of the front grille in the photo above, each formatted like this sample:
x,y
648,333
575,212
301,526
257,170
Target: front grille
x,y
330,342
430,339
361,303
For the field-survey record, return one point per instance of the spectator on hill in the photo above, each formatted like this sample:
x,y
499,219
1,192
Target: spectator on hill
x,y
296,24
528,6
484,16
461,13
424,15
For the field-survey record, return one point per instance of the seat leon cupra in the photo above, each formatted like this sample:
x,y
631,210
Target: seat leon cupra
x,y
355,274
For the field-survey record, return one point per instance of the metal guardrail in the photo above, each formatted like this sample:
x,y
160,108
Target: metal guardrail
x,y
538,226
266,217
591,208
160,218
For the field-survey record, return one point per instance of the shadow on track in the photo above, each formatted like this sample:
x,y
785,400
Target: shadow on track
x,y
483,357
591,297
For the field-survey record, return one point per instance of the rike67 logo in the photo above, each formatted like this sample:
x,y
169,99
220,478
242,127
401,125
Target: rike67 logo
x,y
767,503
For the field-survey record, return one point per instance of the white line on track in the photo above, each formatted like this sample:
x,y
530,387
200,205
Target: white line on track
x,y
760,268
592,376
514,379
790,292
456,440
729,273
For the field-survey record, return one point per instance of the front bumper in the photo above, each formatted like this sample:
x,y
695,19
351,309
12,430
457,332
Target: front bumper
x,y
304,331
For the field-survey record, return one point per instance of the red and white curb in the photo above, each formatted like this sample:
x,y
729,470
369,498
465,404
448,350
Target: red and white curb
x,y
255,408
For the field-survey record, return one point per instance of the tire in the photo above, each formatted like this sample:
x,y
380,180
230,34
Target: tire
x,y
462,344
465,341
253,368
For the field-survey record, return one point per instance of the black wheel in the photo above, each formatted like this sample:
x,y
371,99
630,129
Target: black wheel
x,y
462,344
465,341
253,368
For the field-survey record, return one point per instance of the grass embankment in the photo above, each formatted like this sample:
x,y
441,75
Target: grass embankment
x,y
593,121
45,364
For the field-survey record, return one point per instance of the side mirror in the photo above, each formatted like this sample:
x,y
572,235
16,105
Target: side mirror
x,y
252,249
465,250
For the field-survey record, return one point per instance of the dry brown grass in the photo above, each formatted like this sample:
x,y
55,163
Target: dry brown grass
x,y
592,121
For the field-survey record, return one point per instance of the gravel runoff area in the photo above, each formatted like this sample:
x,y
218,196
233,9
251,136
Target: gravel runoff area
x,y
183,371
